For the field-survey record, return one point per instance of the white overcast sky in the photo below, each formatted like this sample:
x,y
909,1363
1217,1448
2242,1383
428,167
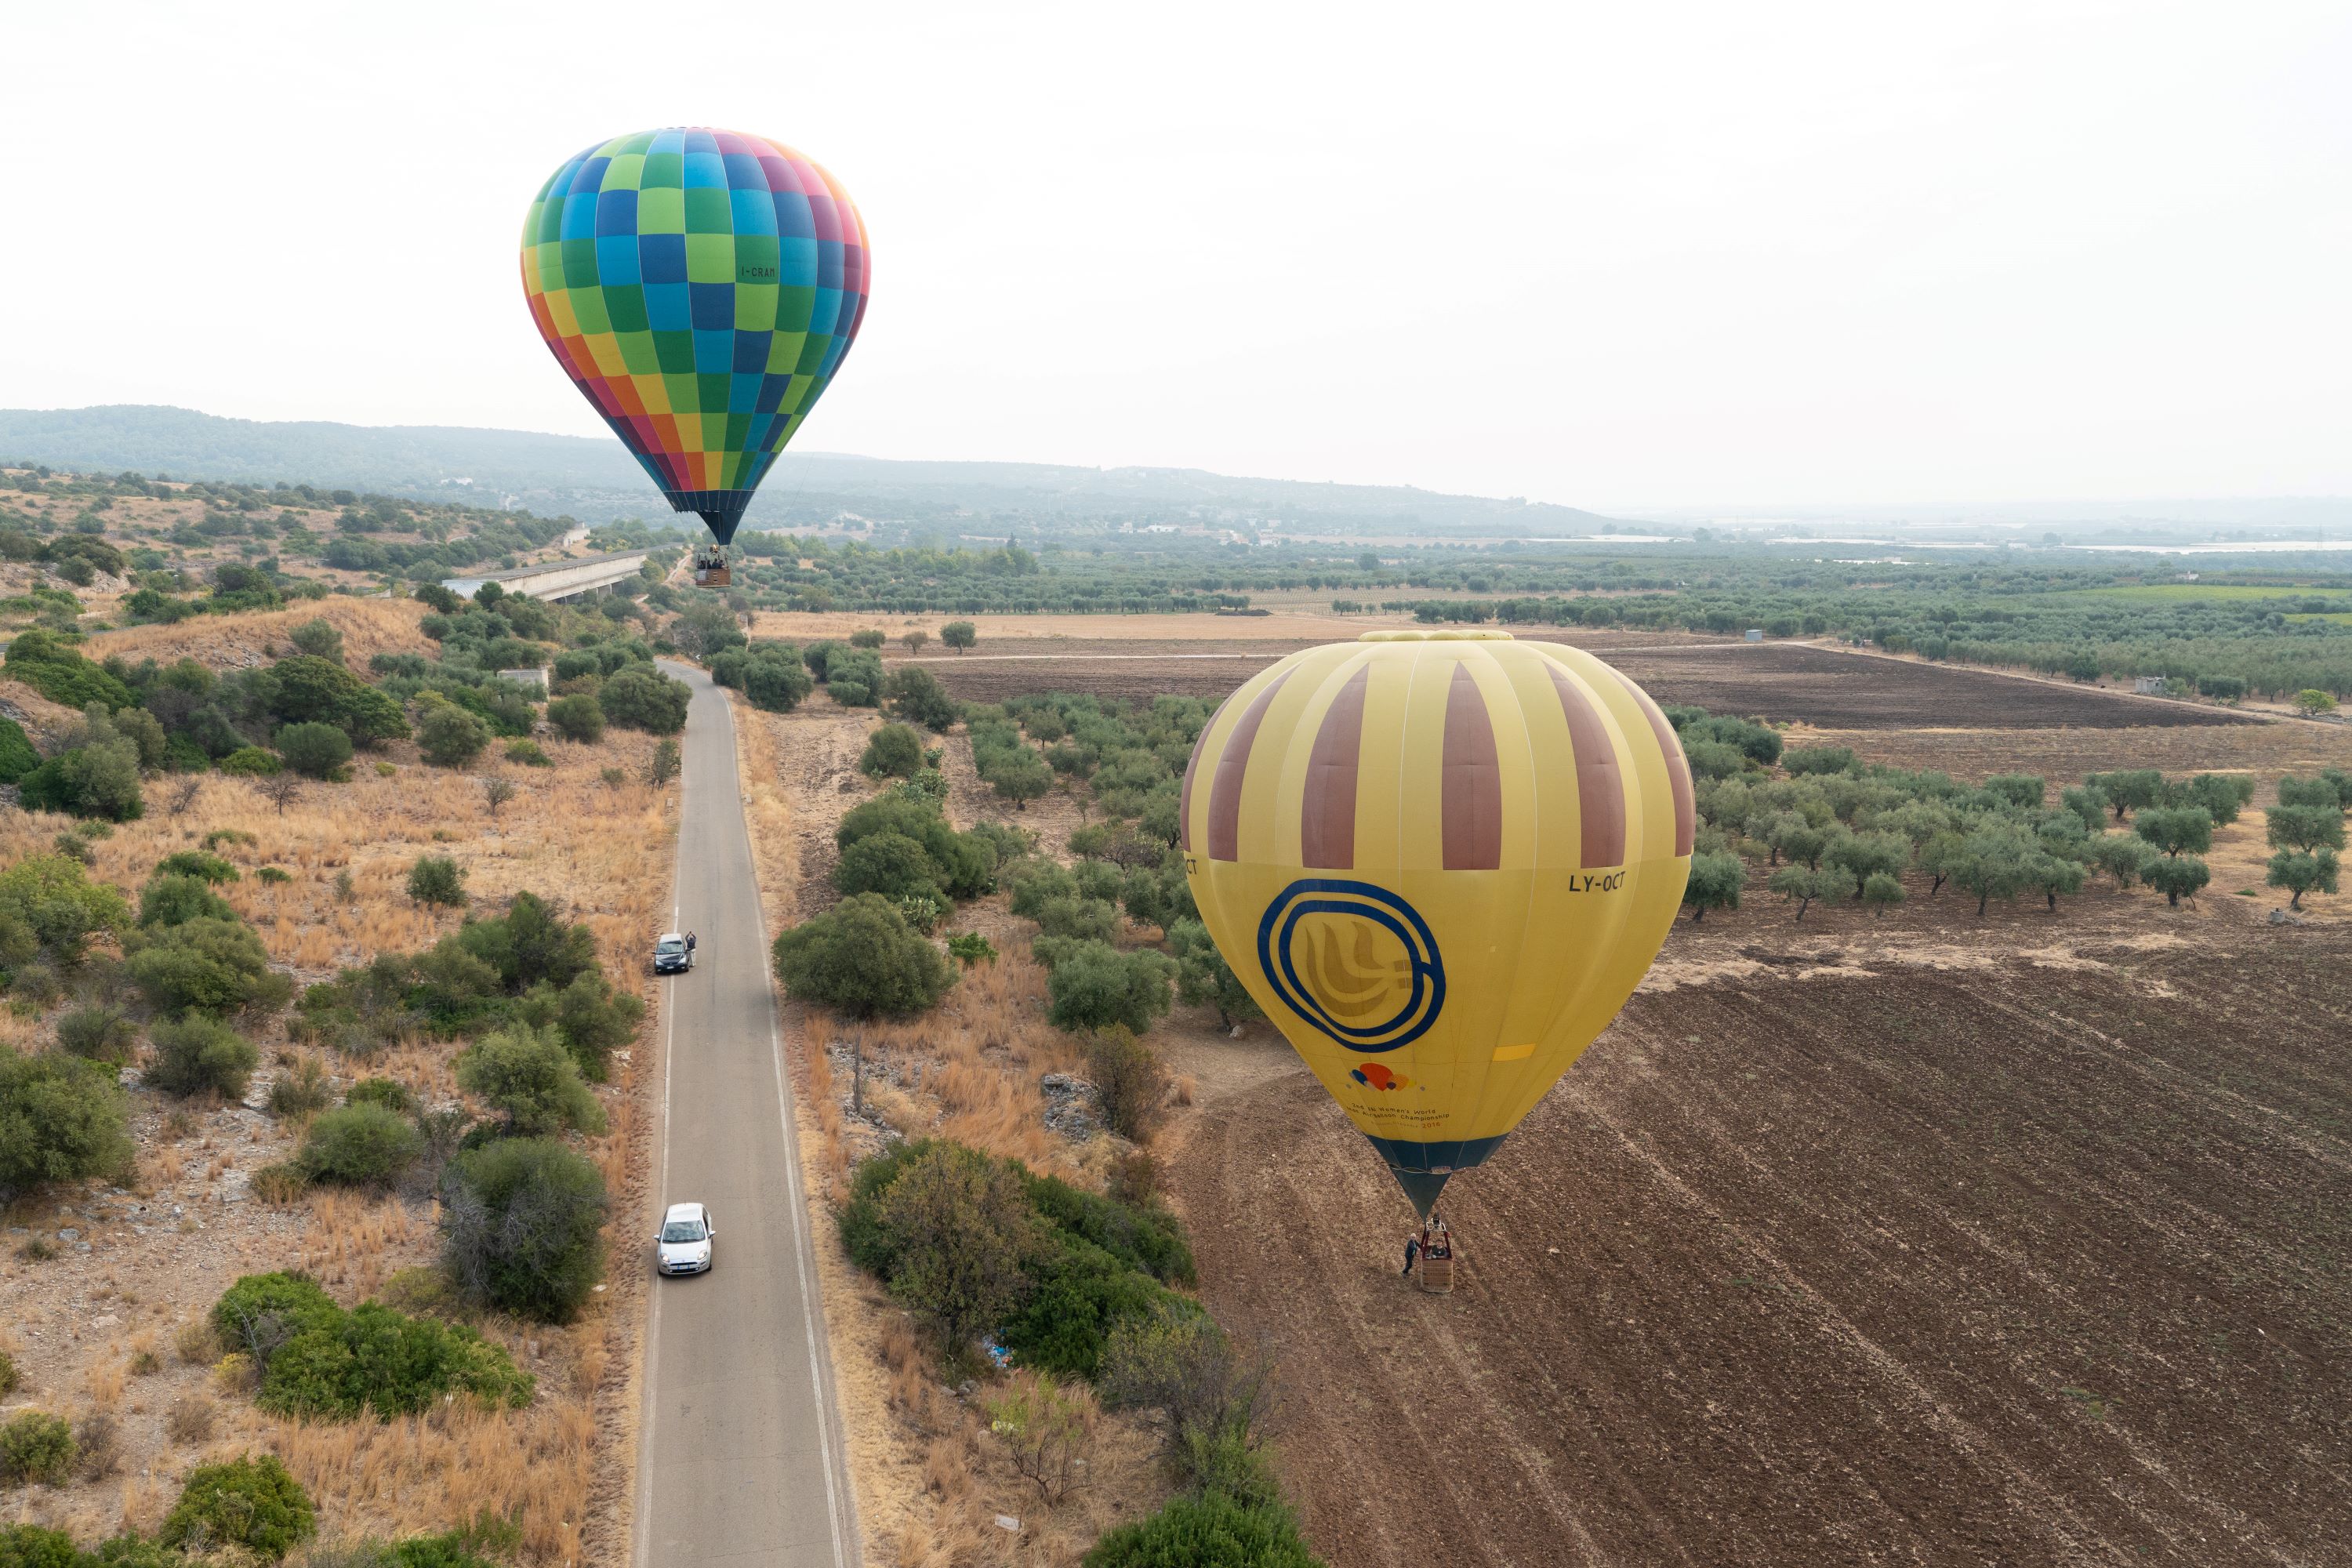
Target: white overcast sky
x,y
1610,254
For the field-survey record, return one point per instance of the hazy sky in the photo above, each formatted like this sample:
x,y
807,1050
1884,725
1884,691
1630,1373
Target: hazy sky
x,y
1609,255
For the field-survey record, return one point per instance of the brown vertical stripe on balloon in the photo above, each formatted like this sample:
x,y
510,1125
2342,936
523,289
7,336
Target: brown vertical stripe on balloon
x,y
1678,770
1471,796
1326,816
1600,788
1184,801
1233,764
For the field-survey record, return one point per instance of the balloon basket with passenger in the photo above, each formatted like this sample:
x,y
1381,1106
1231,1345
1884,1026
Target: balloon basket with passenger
x,y
710,568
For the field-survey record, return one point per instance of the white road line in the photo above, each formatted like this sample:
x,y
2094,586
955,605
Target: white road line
x,y
648,1404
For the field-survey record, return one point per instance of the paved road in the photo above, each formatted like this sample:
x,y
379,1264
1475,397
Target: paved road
x,y
741,1450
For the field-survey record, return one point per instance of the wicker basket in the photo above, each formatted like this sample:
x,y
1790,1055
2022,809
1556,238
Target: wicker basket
x,y
1437,1275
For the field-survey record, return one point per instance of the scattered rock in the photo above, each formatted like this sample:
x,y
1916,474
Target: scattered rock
x,y
236,1186
68,1233
1006,1521
2286,918
1073,1108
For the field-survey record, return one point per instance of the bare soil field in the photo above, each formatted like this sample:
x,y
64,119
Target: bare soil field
x,y
2264,750
1970,1251
1784,682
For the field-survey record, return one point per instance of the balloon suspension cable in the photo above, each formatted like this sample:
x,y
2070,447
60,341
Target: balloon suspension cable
x,y
1421,1188
710,566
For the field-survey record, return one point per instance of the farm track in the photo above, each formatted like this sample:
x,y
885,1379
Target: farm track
x,y
2009,1262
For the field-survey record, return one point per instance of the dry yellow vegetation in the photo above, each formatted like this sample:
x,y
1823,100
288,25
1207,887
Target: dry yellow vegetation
x,y
164,1247
370,627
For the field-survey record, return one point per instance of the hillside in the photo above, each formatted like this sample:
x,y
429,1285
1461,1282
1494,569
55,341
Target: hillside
x,y
596,478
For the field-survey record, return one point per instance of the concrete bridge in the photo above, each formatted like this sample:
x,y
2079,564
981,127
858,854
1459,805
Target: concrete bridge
x,y
556,580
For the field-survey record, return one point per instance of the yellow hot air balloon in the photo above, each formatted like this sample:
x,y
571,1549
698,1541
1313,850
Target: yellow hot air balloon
x,y
1441,862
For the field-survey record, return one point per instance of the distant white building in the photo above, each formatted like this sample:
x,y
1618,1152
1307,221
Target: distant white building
x,y
1756,634
2148,685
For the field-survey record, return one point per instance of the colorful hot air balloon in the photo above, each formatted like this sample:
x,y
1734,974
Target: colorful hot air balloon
x,y
1441,862
701,287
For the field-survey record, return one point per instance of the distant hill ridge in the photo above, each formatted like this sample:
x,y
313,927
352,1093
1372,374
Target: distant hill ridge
x,y
596,480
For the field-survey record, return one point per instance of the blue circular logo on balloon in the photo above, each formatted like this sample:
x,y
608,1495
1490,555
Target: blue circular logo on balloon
x,y
1355,961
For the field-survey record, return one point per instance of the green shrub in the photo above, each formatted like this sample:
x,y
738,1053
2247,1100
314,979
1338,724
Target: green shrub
x,y
450,737
916,697
863,959
206,965
35,1446
958,1224
528,754
529,1077
1093,985
359,1145
99,1031
7,1374
169,900
641,698
1211,1530
18,756
577,717
61,1119
100,780
249,1502
971,947
31,1546
198,863
318,1360
315,751
438,879
890,864
522,1224
391,1095
252,761
50,666
196,1054
894,751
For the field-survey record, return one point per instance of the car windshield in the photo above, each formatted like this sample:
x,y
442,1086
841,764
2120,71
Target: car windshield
x,y
682,1230
671,947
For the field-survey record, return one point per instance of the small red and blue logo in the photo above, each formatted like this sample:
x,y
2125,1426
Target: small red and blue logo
x,y
1372,1075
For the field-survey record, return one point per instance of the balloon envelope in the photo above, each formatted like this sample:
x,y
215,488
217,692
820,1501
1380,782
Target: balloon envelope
x,y
701,287
1440,862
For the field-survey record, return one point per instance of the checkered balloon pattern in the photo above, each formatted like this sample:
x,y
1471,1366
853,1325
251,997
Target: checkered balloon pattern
x,y
700,287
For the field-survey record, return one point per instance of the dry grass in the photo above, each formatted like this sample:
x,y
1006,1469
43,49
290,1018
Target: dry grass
x,y
560,1468
370,627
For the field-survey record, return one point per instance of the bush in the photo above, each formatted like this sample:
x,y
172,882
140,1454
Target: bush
x,y
197,1052
7,1374
890,864
61,1119
1211,1530
641,698
317,638
861,958
301,1090
958,1225
1094,986
315,751
206,965
959,634
893,752
916,697
249,1502
318,1360
1129,1079
577,717
438,879
35,1446
450,736
100,1032
526,1075
391,1095
201,864
1047,1431
522,1227
31,1546
169,900
17,757
971,947
101,780
251,762
359,1145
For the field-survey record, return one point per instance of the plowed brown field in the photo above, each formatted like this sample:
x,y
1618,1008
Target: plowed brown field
x,y
1980,1254
1786,683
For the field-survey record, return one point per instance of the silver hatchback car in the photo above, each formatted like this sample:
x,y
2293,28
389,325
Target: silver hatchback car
x,y
684,1245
